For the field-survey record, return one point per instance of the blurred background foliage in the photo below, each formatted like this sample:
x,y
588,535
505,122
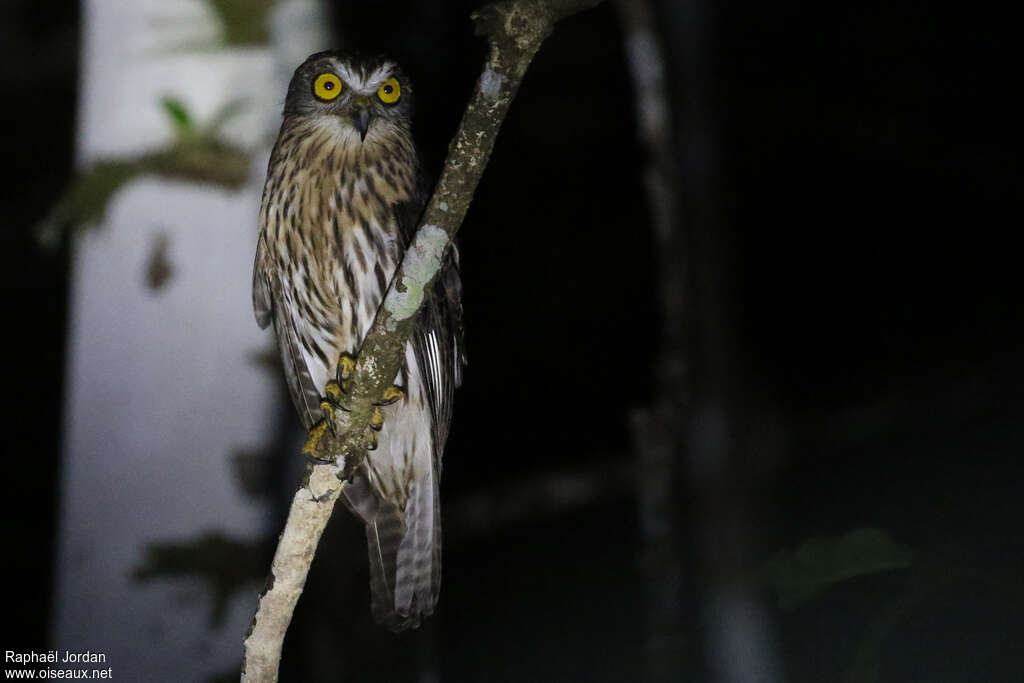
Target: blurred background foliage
x,y
196,154
245,22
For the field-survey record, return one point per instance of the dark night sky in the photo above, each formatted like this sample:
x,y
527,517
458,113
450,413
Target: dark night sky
x,y
869,181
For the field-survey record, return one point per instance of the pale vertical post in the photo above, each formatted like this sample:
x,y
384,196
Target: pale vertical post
x,y
164,389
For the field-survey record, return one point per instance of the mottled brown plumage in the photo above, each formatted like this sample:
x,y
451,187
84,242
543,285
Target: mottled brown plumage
x,y
342,197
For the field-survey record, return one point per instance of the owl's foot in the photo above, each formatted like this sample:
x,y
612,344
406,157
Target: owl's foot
x,y
336,389
335,392
346,364
324,426
316,435
392,394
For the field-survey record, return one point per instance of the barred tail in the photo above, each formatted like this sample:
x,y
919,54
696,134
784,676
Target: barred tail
x,y
419,554
404,550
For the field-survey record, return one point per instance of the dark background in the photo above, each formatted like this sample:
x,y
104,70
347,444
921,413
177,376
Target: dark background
x,y
865,190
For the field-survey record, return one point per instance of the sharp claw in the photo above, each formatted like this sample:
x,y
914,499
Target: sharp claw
x,y
333,391
391,395
327,408
376,420
371,441
346,364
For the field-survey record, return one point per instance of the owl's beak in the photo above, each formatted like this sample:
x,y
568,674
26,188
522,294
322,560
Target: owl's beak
x,y
361,117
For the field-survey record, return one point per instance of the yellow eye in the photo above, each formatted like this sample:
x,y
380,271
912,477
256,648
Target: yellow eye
x,y
390,91
326,87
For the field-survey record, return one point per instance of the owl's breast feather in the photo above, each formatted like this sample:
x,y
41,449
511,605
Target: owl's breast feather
x,y
329,210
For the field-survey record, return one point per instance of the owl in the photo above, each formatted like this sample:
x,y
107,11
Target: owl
x,y
343,196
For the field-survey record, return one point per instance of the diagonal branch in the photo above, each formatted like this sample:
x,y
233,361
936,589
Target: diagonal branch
x,y
515,30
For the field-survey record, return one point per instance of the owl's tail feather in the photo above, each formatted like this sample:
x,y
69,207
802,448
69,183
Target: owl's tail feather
x,y
404,552
419,555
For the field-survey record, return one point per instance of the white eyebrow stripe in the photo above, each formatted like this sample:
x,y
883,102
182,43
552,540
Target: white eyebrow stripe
x,y
354,79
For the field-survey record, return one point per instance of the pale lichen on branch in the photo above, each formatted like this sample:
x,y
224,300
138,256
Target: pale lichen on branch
x,y
403,300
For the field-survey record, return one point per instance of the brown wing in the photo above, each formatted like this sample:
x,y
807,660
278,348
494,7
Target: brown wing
x,y
438,341
438,337
269,307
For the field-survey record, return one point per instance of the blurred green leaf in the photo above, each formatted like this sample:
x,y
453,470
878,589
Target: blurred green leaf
x,y
801,573
178,113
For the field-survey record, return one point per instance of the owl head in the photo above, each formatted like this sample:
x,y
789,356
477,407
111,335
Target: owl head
x,y
360,94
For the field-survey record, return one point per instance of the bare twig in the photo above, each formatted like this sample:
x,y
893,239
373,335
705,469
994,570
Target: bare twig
x,y
514,30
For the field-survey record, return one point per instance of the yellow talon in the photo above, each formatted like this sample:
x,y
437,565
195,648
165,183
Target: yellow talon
x,y
346,364
327,408
391,394
315,434
376,420
333,392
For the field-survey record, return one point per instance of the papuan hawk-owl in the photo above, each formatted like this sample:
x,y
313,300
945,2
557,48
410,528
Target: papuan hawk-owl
x,y
343,196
